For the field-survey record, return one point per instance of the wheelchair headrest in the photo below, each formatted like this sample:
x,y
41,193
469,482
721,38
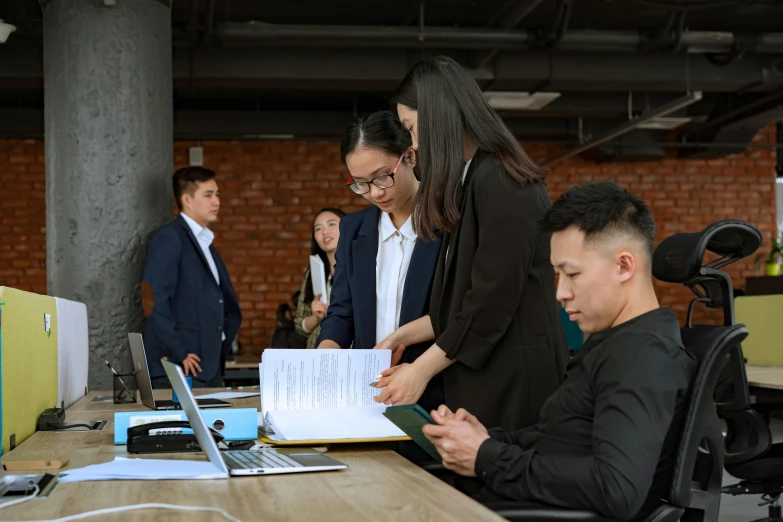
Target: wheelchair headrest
x,y
678,258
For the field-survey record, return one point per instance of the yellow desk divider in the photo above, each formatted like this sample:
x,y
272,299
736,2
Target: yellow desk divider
x,y
762,315
28,362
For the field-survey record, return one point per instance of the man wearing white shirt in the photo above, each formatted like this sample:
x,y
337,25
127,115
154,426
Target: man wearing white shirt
x,y
192,310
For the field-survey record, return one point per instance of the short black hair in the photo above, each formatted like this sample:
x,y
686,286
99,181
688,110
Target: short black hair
x,y
185,179
601,208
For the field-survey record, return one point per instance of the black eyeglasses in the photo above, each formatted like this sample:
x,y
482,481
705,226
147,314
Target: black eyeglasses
x,y
383,181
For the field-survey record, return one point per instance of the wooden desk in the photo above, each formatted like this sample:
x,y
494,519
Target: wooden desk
x,y
378,485
769,377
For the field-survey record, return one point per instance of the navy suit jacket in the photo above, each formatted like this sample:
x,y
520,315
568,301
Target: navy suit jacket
x,y
351,316
187,311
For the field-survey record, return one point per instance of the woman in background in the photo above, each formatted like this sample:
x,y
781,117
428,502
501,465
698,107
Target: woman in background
x,y
311,308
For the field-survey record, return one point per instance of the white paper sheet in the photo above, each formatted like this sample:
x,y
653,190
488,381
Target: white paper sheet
x,y
318,278
228,395
72,351
144,469
365,422
320,379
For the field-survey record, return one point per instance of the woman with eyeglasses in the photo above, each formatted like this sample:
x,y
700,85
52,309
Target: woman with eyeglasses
x,y
494,318
384,271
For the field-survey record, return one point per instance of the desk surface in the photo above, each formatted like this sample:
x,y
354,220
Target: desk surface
x,y
378,484
242,362
770,377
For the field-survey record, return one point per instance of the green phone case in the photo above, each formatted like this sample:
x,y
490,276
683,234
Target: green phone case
x,y
410,419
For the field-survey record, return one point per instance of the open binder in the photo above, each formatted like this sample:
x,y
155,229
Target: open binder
x,y
314,397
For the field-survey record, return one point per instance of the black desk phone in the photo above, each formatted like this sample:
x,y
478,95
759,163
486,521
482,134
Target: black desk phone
x,y
140,440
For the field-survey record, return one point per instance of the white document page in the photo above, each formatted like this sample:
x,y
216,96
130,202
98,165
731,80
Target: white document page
x,y
144,469
318,278
320,379
228,395
365,422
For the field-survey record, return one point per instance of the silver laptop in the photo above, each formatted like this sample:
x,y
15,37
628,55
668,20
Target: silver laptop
x,y
139,357
266,461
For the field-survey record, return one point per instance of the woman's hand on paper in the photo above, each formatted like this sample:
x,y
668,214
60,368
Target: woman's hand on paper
x,y
397,348
403,384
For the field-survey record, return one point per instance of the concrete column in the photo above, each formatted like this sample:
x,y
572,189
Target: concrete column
x,y
109,159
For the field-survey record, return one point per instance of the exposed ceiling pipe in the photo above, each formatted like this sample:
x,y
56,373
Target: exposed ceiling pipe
x,y
511,19
259,33
740,112
663,110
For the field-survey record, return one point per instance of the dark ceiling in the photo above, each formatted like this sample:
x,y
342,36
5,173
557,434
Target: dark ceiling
x,y
304,67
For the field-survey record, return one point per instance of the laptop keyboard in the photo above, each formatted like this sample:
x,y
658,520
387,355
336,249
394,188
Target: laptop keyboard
x,y
258,459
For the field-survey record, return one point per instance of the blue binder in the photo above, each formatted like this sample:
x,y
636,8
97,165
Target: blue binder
x,y
237,423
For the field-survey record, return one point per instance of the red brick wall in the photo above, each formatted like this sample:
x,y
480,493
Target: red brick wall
x,y
22,215
270,191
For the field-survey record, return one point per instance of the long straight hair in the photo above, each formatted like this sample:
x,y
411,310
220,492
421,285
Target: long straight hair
x,y
451,107
318,251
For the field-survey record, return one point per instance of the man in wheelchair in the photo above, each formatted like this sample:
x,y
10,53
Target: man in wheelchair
x,y
607,439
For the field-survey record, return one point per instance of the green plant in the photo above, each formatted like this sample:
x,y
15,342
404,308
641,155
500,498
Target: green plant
x,y
776,253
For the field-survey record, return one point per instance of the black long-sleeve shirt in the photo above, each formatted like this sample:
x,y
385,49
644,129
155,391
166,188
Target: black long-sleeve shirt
x,y
607,438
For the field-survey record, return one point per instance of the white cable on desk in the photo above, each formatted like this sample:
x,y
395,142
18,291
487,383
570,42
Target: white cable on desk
x,y
122,509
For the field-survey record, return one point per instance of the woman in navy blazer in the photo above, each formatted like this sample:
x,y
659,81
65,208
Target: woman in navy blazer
x,y
377,151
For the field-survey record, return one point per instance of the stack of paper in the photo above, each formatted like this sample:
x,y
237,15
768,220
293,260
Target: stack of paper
x,y
318,278
365,422
323,395
144,469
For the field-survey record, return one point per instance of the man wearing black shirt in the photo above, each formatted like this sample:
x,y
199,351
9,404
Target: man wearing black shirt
x,y
606,439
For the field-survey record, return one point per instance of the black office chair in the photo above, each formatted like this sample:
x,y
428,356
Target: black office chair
x,y
696,482
749,452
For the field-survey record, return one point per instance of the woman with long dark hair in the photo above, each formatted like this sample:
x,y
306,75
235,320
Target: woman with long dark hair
x,y
311,308
384,272
493,314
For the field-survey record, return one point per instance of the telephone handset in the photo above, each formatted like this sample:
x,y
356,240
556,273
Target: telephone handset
x,y
140,440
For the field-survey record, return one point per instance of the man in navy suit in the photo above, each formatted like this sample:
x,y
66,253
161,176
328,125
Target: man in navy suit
x,y
192,310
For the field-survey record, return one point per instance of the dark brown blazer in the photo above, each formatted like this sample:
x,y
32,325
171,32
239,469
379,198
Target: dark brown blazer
x,y
493,305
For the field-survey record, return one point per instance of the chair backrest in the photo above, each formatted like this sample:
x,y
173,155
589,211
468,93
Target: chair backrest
x,y
747,433
720,380
698,468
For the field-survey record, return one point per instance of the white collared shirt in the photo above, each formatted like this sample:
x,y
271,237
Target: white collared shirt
x,y
465,172
395,248
204,236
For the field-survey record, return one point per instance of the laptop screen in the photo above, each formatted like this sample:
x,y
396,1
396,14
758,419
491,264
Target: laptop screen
x,y
188,403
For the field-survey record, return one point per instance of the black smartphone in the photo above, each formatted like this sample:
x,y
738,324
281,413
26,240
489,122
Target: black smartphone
x,y
410,419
